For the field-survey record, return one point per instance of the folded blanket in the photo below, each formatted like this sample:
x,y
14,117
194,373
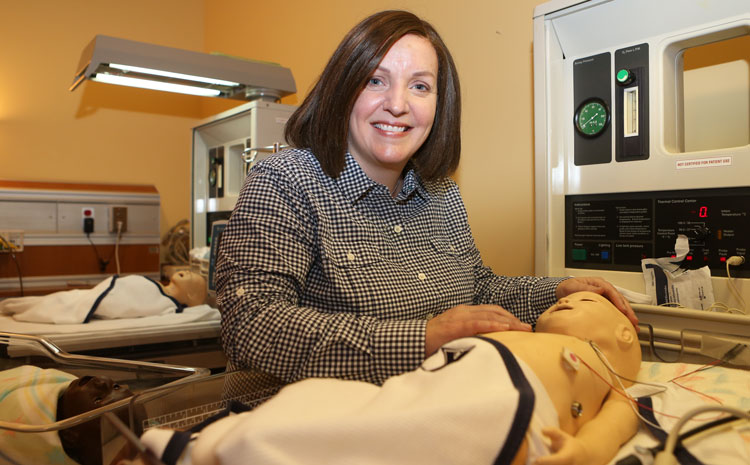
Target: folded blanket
x,y
131,296
29,395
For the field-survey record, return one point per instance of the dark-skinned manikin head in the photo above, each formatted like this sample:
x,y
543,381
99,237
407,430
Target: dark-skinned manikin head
x,y
82,442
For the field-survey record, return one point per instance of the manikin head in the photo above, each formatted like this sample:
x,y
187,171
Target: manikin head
x,y
83,442
188,288
591,317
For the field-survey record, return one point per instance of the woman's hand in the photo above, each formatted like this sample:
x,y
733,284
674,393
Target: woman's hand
x,y
469,320
601,287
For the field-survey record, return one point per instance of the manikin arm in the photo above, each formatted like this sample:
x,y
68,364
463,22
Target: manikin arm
x,y
598,440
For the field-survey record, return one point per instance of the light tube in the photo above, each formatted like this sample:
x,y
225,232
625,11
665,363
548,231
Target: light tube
x,y
187,77
155,85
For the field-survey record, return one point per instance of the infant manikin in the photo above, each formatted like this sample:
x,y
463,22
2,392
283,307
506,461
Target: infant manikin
x,y
131,296
37,396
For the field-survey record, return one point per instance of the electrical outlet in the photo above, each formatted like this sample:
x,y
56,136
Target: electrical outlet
x,y
118,215
12,241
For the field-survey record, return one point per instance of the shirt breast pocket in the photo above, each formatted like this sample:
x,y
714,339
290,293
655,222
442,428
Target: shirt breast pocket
x,y
445,247
355,254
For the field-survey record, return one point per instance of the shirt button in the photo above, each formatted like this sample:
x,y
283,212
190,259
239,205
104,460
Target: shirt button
x,y
239,292
350,256
422,276
398,228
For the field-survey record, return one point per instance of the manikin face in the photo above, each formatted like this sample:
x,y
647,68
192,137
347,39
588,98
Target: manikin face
x,y
187,287
585,315
393,115
186,279
90,392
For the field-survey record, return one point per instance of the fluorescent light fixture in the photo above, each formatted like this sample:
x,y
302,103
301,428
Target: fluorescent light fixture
x,y
139,64
155,85
187,77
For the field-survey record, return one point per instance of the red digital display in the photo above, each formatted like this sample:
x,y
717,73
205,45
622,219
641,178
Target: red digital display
x,y
703,212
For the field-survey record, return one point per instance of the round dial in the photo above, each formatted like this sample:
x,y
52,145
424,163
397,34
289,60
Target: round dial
x,y
591,117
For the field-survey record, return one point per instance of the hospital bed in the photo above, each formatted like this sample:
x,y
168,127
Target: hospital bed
x,y
45,219
189,338
19,350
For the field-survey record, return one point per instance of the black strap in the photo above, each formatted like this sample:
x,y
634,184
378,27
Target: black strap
x,y
100,298
526,400
177,443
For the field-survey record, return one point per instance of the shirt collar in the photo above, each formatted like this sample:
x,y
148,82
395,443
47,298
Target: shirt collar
x,y
356,185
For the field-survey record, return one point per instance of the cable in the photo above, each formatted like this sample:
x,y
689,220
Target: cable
x,y
653,347
690,435
102,264
12,248
176,244
736,260
18,270
117,246
622,391
666,457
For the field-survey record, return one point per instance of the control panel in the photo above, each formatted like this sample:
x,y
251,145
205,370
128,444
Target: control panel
x,y
617,231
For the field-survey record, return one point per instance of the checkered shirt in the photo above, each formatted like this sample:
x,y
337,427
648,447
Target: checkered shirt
x,y
332,277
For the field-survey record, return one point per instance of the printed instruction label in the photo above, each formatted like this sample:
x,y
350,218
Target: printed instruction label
x,y
703,163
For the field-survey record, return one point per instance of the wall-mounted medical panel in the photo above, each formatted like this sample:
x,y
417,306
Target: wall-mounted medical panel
x,y
68,236
225,146
617,231
639,102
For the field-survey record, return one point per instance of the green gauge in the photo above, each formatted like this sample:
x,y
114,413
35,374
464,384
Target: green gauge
x,y
591,117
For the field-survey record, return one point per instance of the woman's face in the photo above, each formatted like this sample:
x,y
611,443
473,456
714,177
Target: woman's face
x,y
393,115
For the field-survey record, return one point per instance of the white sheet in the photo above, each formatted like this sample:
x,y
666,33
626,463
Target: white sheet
x,y
731,386
189,315
116,297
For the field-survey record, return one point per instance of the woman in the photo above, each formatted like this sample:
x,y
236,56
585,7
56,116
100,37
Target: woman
x,y
351,256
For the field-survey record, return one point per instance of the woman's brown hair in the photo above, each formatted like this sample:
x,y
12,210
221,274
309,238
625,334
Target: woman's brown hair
x,y
321,123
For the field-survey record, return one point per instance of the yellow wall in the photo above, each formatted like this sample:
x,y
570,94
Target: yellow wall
x,y
105,133
99,133
491,43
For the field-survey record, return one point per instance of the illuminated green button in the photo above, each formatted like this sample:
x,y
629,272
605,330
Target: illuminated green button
x,y
579,255
623,75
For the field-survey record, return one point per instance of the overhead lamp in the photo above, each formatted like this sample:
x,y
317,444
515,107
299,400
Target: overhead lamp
x,y
139,64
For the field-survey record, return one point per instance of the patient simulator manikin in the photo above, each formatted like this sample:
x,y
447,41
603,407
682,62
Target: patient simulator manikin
x,y
457,408
37,396
130,296
594,420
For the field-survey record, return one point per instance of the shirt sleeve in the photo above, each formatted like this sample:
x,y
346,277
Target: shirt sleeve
x,y
266,253
526,297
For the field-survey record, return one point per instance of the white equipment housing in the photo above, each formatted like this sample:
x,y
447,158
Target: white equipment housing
x,y
642,132
224,148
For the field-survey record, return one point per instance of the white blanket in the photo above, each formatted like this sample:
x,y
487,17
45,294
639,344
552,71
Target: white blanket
x,y
131,296
437,414
190,315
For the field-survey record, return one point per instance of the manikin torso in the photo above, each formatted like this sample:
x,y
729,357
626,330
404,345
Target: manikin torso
x,y
565,385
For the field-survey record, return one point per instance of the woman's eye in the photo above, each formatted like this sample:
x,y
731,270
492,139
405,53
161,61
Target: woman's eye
x,y
98,400
374,81
421,87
